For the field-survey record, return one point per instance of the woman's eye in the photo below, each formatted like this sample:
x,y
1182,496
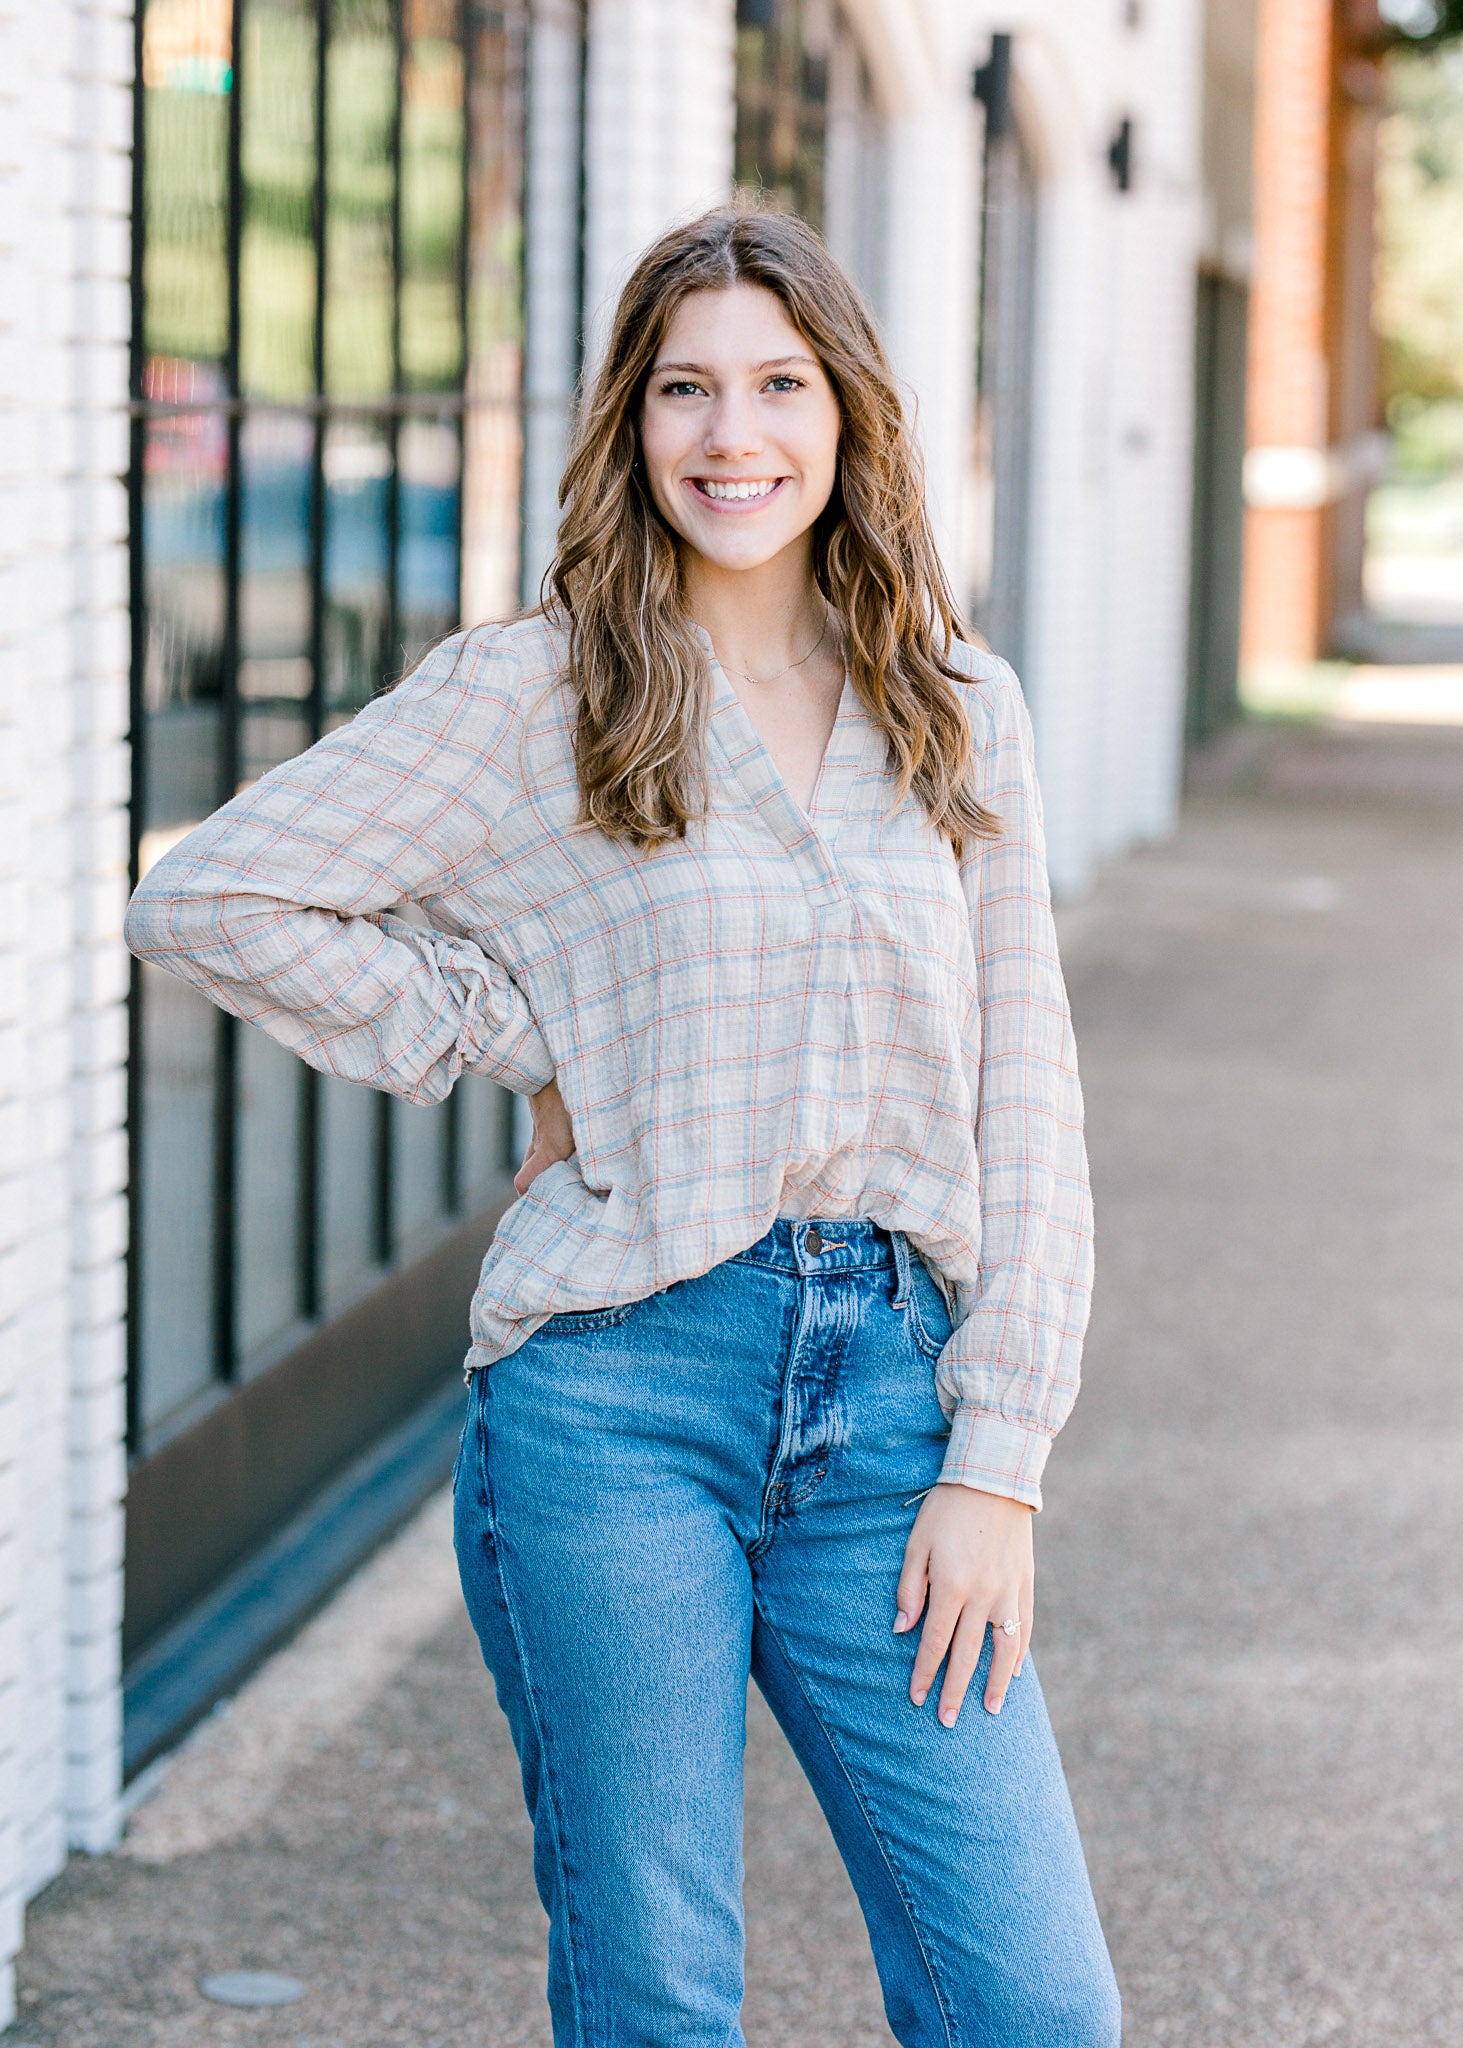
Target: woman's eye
x,y
679,387
785,382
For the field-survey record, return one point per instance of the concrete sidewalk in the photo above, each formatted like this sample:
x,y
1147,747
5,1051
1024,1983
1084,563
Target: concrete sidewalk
x,y
1251,1630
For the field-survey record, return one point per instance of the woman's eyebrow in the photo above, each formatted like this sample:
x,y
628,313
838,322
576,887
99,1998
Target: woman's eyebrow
x,y
702,370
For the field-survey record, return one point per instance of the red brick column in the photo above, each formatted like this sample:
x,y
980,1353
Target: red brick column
x,y
1284,614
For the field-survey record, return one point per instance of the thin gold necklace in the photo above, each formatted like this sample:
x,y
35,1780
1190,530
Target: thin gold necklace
x,y
777,674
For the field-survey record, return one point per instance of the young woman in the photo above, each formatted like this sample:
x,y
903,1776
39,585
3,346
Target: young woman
x,y
733,862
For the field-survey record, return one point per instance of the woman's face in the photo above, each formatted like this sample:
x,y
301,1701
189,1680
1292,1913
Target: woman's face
x,y
739,428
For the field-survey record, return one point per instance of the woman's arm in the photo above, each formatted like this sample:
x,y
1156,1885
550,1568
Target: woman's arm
x,y
1009,1371
278,906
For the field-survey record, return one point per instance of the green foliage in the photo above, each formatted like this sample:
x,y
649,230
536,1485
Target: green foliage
x,y
1427,434
186,276
1419,277
277,257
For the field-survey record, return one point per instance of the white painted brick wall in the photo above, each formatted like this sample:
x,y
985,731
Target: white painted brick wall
x,y
65,130
1113,401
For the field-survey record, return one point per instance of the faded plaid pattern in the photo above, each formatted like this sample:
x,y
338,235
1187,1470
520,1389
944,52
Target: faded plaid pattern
x,y
783,1015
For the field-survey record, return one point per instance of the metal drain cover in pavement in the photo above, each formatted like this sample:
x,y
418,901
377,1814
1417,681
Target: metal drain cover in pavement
x,y
252,1987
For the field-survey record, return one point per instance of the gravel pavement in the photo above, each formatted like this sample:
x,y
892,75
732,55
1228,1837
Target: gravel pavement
x,y
1251,1632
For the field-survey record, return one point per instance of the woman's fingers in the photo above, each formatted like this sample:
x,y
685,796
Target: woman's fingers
x,y
553,1137
535,1159
968,1562
1004,1659
914,1580
1024,1639
934,1641
964,1656
966,1643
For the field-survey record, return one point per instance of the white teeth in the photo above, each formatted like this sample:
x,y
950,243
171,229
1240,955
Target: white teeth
x,y
757,489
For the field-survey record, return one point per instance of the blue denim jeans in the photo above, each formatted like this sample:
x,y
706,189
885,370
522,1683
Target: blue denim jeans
x,y
653,1502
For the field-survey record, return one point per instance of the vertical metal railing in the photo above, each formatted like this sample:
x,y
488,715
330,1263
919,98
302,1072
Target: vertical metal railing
x,y
137,654
226,1070
310,1191
229,409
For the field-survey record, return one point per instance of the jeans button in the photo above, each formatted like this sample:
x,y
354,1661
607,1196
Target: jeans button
x,y
814,1242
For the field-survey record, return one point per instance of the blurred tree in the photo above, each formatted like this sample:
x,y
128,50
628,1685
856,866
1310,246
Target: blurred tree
x,y
1419,285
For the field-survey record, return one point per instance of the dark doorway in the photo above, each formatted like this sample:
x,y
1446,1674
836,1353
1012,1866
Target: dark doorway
x,y
1212,700
999,492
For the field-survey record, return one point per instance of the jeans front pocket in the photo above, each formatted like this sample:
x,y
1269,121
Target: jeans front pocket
x,y
568,1320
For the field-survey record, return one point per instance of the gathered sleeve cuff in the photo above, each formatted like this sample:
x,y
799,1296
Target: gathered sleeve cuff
x,y
995,1456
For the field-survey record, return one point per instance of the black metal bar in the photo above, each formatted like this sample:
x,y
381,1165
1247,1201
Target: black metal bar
x,y
404,404
581,198
1120,155
308,1193
233,535
316,709
226,1071
384,1219
136,733
394,651
309,1186
225,1205
991,85
453,1110
465,32
522,25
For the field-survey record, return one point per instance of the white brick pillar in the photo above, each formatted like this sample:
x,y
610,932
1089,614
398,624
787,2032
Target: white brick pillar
x,y
659,133
65,128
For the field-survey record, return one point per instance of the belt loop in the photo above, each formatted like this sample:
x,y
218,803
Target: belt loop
x,y
901,1268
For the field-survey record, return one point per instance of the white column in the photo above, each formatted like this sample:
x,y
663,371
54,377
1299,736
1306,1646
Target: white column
x,y
551,256
930,270
65,128
1154,233
1113,407
661,125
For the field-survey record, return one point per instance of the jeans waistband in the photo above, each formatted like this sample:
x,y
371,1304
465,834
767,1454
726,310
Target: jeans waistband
x,y
817,1245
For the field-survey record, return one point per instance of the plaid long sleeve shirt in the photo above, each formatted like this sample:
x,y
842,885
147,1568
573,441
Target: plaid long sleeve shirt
x,y
784,1014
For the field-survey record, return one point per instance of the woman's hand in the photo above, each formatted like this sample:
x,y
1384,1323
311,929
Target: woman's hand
x,y
553,1136
970,1553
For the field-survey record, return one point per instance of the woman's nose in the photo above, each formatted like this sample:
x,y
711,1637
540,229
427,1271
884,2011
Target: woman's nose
x,y
733,431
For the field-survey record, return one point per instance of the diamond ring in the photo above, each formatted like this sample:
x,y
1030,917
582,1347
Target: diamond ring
x,y
1008,1627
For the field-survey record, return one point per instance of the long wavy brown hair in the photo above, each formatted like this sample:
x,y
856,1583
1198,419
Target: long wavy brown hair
x,y
639,674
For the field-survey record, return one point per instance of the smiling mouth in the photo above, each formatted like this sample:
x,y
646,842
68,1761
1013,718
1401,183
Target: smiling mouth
x,y
726,492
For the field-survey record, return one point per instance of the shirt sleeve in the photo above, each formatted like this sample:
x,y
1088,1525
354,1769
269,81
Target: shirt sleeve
x,y
280,906
1009,1373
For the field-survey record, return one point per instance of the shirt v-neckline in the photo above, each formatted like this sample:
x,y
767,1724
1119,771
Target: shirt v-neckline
x,y
750,759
